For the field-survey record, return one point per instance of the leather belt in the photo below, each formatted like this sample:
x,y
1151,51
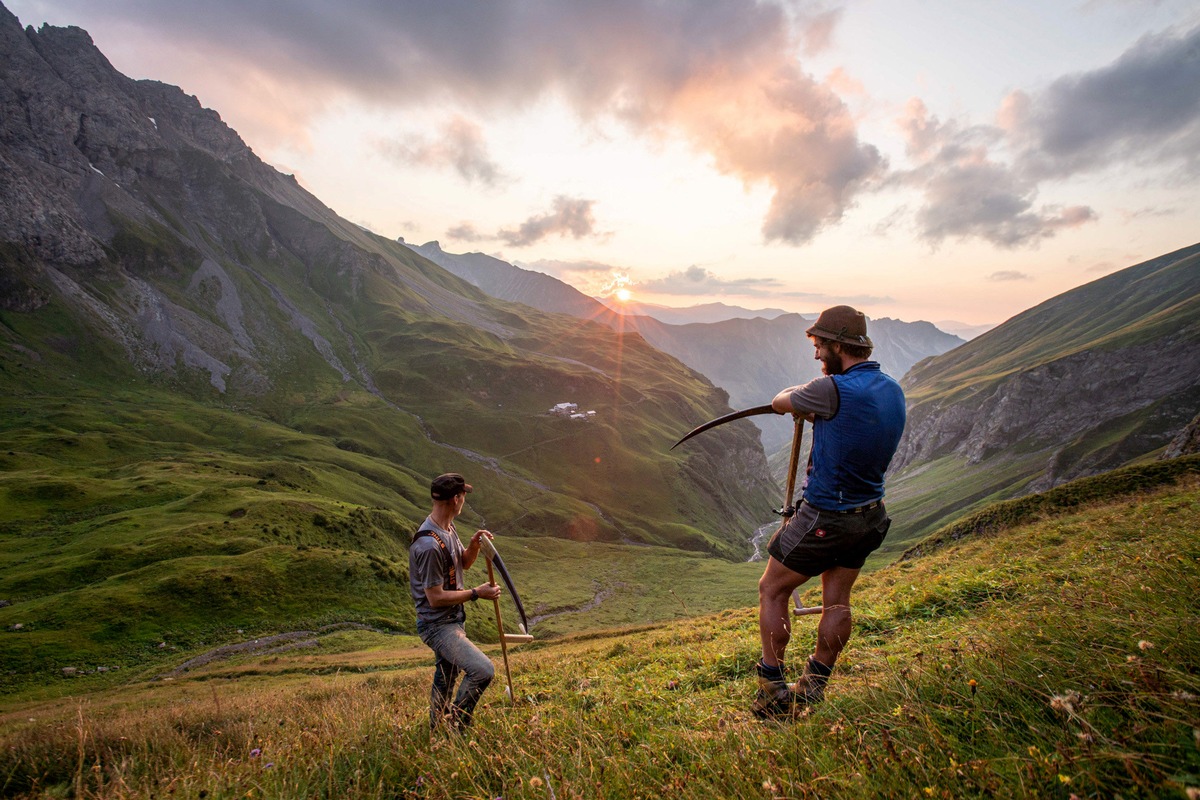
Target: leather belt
x,y
862,509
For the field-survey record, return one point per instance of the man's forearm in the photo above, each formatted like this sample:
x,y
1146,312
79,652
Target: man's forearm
x,y
450,597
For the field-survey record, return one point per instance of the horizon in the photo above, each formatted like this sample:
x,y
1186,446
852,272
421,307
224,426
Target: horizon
x,y
916,161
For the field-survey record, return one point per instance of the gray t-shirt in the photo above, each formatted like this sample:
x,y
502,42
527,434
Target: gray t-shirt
x,y
819,396
431,559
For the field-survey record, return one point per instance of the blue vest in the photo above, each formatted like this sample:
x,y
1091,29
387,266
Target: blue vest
x,y
852,449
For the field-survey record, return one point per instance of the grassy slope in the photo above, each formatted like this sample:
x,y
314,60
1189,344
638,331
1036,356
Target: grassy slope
x,y
138,518
1139,304
1135,306
138,510
1050,659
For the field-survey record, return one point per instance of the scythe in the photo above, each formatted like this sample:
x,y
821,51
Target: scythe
x,y
788,508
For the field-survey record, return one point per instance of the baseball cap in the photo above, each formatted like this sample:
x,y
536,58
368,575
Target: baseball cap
x,y
449,485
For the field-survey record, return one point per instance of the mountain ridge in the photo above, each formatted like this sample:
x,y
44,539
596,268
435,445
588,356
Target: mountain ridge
x,y
1096,378
751,358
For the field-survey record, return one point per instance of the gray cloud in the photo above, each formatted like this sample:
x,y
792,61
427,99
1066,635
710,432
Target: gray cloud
x,y
970,193
721,75
1009,275
1142,108
696,280
460,146
466,232
700,281
571,216
982,181
555,267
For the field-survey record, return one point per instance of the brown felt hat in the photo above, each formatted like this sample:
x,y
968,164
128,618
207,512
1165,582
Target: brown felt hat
x,y
449,486
842,324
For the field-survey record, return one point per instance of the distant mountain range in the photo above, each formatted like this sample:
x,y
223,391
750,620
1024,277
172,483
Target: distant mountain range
x,y
750,358
704,312
963,329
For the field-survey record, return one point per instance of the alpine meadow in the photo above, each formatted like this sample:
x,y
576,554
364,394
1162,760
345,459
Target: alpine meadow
x,y
224,404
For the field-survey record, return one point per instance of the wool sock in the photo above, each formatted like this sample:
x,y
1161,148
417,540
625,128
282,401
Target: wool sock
x,y
768,672
817,668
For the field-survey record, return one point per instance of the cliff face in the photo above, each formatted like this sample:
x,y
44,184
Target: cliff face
x,y
1084,383
1054,405
142,241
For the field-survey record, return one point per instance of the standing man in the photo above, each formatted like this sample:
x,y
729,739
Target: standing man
x,y
436,563
858,415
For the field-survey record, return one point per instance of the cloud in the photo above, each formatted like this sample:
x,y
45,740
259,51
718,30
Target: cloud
x,y
1009,275
555,267
466,232
460,146
968,191
571,216
1142,108
700,281
721,75
982,181
817,29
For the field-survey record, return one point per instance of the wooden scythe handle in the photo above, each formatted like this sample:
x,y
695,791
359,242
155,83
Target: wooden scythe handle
x,y
503,642
794,463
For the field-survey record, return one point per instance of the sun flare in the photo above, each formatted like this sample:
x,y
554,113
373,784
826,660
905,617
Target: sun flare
x,y
623,295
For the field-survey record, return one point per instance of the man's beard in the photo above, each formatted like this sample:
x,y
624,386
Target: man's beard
x,y
831,364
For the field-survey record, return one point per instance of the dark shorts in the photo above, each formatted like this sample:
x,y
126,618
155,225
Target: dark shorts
x,y
812,540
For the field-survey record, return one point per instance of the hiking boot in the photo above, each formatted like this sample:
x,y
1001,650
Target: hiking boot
x,y
809,689
774,699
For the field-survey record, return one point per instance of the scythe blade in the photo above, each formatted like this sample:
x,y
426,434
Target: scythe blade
x,y
747,412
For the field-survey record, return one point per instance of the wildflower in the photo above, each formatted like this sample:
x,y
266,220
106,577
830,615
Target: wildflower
x,y
1145,645
256,752
1066,703
929,791
535,782
1064,779
974,686
268,765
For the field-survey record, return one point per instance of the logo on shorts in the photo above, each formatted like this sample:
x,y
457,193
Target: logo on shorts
x,y
820,532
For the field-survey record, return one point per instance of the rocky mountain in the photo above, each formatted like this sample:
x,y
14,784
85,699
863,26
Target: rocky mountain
x,y
750,358
216,384
1096,378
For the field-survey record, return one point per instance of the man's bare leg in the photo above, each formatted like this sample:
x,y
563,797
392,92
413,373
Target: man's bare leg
x,y
774,609
834,629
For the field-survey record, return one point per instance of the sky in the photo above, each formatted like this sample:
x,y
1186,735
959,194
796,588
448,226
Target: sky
x,y
944,160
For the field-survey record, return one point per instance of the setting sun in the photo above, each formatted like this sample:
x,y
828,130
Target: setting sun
x,y
623,295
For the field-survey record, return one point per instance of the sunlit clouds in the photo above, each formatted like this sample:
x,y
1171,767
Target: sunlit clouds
x,y
459,145
915,157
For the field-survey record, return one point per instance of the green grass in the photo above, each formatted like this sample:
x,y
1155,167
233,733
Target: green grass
x,y
136,519
1052,658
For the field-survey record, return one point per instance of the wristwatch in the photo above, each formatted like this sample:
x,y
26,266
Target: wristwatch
x,y
474,594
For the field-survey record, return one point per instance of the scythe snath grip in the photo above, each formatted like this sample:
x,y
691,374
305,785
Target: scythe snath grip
x,y
493,558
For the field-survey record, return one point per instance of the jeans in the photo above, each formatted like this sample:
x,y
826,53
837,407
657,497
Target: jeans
x,y
455,653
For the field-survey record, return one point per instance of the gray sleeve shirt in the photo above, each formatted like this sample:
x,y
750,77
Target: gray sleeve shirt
x,y
819,396
427,567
